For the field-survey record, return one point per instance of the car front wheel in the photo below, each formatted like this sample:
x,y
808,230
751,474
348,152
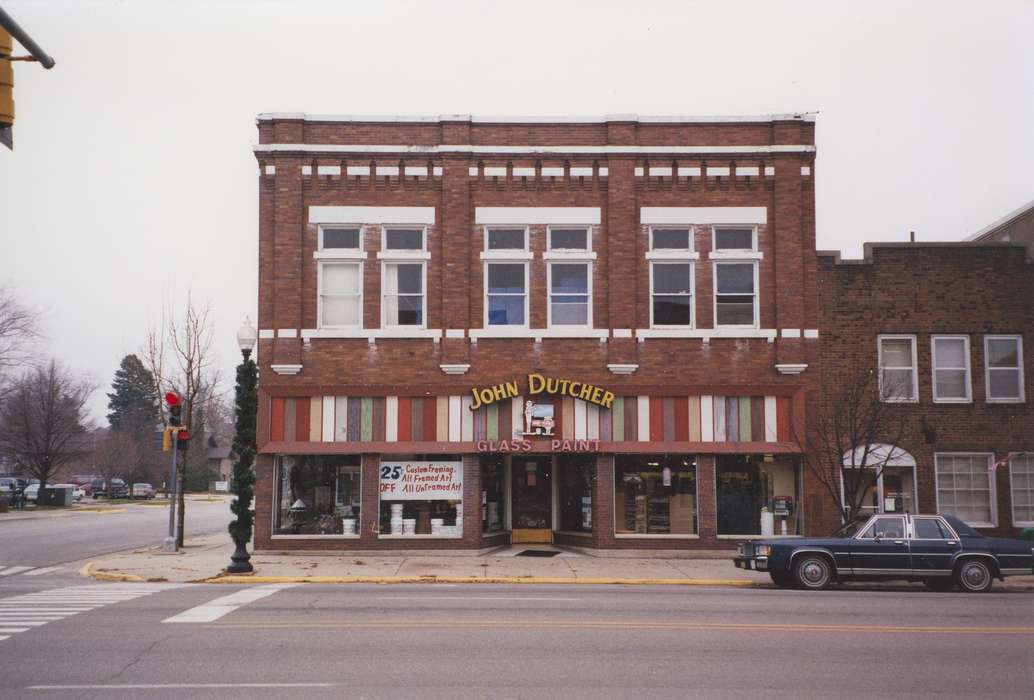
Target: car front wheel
x,y
974,576
813,572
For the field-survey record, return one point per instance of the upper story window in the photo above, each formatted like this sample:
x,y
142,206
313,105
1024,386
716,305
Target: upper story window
x,y
897,363
736,294
1003,359
404,239
506,292
673,239
339,277
403,276
570,294
340,295
951,376
741,239
574,239
507,240
340,238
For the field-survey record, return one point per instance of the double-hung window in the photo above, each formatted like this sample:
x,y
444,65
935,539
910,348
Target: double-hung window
x,y
965,488
1021,475
506,259
736,256
1003,360
672,275
950,355
569,259
897,363
340,276
403,277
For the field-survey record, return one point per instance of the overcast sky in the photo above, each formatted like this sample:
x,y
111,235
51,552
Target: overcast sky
x,y
132,180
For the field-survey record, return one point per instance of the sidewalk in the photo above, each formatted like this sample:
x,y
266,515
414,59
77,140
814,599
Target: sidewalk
x,y
205,558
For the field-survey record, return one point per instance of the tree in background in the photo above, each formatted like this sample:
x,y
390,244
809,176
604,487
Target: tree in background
x,y
19,330
180,358
133,403
853,437
43,423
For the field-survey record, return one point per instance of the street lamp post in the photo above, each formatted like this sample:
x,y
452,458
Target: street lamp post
x,y
244,450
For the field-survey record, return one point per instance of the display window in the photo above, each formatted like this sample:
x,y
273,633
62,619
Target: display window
x,y
574,488
318,495
493,494
757,495
421,496
655,495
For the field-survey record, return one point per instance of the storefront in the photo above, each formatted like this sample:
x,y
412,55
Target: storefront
x,y
513,467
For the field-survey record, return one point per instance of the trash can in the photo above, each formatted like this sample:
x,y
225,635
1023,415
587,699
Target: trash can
x,y
51,496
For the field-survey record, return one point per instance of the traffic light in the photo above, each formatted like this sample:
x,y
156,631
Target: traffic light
x,y
6,81
182,439
175,404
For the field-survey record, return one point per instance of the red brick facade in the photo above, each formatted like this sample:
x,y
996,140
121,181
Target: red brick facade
x,y
923,290
616,167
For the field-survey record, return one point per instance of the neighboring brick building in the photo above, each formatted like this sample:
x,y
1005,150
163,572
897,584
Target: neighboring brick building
x,y
418,276
1017,226
954,320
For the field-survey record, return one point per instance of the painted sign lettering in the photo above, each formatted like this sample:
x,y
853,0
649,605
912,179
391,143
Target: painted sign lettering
x,y
538,384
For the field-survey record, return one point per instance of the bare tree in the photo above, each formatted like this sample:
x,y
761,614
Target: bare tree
x,y
19,330
180,357
853,437
117,454
43,423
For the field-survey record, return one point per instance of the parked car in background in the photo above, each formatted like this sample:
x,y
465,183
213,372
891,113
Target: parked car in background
x,y
940,550
117,488
142,490
85,481
10,485
32,492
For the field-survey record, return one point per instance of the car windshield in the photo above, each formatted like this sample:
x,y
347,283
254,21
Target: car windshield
x,y
849,528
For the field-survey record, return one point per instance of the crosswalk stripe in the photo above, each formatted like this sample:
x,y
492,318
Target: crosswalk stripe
x,y
44,570
224,605
14,570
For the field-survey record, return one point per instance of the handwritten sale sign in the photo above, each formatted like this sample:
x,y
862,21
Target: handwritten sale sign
x,y
421,481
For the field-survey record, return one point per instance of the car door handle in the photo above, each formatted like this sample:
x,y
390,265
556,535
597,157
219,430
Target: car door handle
x,y
952,542
899,542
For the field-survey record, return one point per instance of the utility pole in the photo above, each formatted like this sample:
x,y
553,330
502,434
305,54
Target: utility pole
x,y
9,29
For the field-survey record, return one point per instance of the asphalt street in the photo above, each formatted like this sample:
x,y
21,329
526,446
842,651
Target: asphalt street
x,y
522,641
70,535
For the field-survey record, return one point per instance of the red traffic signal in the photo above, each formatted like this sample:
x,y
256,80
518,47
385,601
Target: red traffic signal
x,y
182,439
175,404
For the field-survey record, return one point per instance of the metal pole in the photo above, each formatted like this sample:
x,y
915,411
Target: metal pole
x,y
170,491
8,23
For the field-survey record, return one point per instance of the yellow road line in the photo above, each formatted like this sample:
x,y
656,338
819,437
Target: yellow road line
x,y
485,579
624,624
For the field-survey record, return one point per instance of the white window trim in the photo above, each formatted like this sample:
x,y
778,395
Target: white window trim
x,y
1012,497
319,293
692,297
992,494
757,294
423,287
527,292
987,368
738,252
915,366
968,398
549,296
339,253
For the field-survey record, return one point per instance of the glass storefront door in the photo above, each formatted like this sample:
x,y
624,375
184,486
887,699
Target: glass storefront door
x,y
532,499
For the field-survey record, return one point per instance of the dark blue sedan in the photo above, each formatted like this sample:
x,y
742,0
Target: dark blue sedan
x,y
939,550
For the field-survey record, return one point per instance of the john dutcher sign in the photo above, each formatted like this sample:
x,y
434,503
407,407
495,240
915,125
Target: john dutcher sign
x,y
538,384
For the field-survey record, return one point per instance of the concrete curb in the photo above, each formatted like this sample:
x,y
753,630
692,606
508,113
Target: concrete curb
x,y
88,572
482,579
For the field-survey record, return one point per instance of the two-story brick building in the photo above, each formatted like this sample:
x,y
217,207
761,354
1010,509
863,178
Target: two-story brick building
x,y
600,332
